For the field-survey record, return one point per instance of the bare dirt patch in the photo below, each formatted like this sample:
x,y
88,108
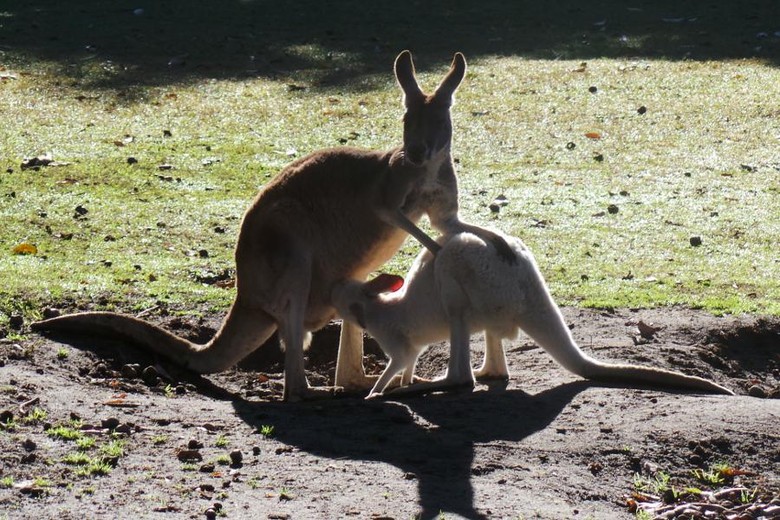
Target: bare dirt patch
x,y
545,445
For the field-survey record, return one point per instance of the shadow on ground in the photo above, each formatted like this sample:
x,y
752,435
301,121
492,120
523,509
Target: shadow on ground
x,y
431,439
343,44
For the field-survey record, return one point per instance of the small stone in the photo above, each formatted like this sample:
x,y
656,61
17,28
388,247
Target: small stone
x,y
28,458
150,375
16,321
132,160
598,157
757,391
50,312
124,428
641,110
236,457
189,455
129,372
29,445
203,253
207,468
256,451
194,444
570,145
110,424
612,209
695,241
593,89
211,514
494,208
209,488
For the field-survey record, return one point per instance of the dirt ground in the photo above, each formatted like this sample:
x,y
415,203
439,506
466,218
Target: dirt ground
x,y
545,445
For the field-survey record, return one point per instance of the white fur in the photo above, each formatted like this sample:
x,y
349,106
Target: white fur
x,y
468,288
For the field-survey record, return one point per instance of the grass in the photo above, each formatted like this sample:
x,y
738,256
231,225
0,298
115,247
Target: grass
x,y
35,415
701,161
98,465
657,485
63,432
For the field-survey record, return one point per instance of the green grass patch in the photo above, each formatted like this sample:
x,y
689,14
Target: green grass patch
x,y
85,443
683,142
65,433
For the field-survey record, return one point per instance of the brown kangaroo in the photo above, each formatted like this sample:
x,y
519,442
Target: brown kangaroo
x,y
333,215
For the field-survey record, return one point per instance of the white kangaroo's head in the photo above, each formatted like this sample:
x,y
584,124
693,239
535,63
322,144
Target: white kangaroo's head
x,y
351,297
427,122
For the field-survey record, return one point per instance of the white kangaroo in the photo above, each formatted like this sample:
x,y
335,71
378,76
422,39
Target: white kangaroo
x,y
465,289
335,214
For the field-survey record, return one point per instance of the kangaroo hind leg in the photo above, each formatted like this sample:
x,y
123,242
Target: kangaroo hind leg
x,y
494,366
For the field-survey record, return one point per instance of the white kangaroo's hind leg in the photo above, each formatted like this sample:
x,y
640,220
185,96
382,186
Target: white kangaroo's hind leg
x,y
459,371
494,365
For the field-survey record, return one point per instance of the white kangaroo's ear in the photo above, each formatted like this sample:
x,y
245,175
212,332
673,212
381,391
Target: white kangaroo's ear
x,y
381,284
404,74
446,89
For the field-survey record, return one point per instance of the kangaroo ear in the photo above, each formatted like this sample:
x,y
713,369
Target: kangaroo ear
x,y
404,74
381,284
446,89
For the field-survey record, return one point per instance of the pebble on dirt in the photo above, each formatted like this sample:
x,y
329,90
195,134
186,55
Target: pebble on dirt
x,y
189,455
236,457
757,391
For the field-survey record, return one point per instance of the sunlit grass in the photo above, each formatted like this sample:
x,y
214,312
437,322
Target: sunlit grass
x,y
701,161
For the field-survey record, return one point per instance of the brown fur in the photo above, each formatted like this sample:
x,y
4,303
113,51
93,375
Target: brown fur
x,y
335,214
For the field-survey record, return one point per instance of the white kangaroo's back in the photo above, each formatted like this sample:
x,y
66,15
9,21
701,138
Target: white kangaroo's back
x,y
465,289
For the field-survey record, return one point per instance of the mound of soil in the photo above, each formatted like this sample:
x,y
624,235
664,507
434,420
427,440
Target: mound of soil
x,y
91,427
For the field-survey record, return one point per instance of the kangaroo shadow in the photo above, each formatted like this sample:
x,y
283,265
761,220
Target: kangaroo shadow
x,y
432,439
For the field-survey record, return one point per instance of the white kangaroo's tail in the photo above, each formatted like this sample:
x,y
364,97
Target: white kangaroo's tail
x,y
544,323
238,336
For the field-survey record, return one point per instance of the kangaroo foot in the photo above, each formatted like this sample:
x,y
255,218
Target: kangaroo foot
x,y
489,375
358,383
438,385
312,394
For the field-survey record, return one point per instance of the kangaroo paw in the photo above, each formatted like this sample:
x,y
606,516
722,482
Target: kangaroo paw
x,y
438,385
312,394
489,375
358,384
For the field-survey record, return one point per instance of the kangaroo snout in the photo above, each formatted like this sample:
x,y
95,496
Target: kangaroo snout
x,y
416,153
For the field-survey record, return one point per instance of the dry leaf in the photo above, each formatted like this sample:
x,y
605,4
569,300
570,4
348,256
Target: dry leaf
x,y
25,249
593,135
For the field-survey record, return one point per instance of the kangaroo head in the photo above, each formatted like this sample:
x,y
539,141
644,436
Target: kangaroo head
x,y
427,122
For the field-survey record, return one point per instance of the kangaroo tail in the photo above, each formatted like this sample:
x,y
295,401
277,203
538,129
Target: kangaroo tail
x,y
656,376
544,324
239,335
